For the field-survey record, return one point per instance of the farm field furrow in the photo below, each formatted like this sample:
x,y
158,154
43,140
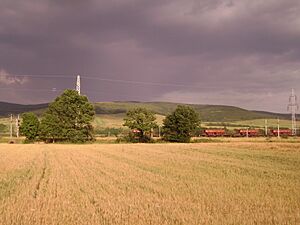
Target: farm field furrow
x,y
205,183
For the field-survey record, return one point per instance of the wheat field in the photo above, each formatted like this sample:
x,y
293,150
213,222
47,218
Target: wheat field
x,y
207,183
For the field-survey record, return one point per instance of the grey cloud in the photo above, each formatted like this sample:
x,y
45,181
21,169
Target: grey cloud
x,y
208,46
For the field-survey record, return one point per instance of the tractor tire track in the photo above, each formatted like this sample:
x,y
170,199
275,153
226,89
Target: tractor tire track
x,y
42,176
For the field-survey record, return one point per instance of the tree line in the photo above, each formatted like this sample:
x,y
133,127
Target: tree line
x,y
69,119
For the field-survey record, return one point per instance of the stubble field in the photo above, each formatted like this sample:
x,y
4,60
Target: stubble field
x,y
207,183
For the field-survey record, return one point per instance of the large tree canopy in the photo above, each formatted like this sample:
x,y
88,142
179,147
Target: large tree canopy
x,y
181,124
142,121
68,118
30,126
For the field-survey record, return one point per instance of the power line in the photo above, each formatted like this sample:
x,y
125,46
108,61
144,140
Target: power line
x,y
106,80
34,90
89,90
140,82
55,90
42,75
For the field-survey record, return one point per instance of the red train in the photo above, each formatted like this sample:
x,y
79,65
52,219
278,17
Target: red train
x,y
245,133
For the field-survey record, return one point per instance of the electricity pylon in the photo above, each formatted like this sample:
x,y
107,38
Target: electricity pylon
x,y
78,84
293,107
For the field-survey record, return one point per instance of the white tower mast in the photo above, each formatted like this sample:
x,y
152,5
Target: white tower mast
x,y
293,108
78,84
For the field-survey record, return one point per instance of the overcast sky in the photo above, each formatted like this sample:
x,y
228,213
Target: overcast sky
x,y
234,52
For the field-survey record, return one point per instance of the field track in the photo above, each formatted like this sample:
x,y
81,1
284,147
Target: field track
x,y
208,183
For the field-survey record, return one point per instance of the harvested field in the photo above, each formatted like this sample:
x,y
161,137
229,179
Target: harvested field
x,y
207,183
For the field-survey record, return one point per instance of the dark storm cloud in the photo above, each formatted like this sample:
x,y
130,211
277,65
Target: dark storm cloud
x,y
243,53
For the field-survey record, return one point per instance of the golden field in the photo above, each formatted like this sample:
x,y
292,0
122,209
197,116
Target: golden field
x,y
205,183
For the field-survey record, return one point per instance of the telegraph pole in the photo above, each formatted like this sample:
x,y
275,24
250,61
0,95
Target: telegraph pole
x,y
293,108
11,126
159,131
278,128
18,125
266,127
78,84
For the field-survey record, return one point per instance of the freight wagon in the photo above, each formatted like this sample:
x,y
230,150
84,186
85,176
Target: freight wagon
x,y
248,133
214,133
282,132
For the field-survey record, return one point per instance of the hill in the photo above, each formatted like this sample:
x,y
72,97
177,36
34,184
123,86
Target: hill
x,y
208,113
276,115
12,108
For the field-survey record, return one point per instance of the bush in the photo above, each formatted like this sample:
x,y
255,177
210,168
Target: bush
x,y
132,138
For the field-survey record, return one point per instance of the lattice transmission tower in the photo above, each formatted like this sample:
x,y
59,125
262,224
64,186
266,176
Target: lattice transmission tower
x,y
293,107
78,84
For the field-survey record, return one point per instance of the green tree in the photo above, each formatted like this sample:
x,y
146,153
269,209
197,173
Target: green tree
x,y
3,128
180,125
68,118
142,121
30,126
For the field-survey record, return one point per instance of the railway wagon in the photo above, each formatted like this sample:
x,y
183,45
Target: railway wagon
x,y
282,132
248,132
214,132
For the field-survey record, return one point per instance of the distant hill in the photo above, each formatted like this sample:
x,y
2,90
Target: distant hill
x,y
12,108
275,115
209,113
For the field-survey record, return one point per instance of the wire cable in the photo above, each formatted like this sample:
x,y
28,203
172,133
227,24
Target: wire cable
x,y
87,77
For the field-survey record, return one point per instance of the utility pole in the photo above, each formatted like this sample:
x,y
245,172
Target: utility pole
x,y
78,84
293,108
18,125
266,127
278,128
159,131
247,132
11,126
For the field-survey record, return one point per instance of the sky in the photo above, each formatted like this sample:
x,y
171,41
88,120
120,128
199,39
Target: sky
x,y
243,53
